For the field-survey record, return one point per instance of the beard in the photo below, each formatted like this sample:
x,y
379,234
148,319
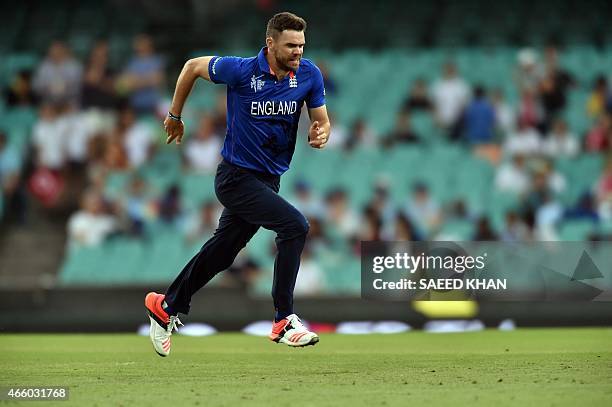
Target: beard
x,y
283,63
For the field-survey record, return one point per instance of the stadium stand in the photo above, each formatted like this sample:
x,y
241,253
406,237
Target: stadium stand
x,y
372,73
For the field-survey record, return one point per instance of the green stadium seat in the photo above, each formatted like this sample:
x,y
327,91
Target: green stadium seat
x,y
576,230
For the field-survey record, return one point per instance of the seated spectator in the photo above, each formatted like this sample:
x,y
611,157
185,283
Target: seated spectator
x,y
599,138
306,201
585,208
560,141
49,139
58,79
137,138
341,220
529,112
90,226
19,93
525,141
242,273
169,206
513,176
418,98
553,86
77,133
504,114
479,119
404,230
599,98
555,180
457,210
311,278
402,131
317,240
515,229
143,76
115,155
137,206
204,223
203,150
450,95
545,184
484,232
423,210
98,80
529,71
547,218
381,203
371,225
359,135
338,135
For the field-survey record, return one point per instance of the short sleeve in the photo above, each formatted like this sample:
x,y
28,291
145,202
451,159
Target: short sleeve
x,y
225,70
316,97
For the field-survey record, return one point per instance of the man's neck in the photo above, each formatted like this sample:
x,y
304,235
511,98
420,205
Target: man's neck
x,y
274,69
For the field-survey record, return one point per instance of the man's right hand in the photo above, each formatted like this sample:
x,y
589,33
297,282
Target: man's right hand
x,y
174,130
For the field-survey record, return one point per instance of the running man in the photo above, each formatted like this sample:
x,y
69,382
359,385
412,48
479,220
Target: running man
x,y
265,95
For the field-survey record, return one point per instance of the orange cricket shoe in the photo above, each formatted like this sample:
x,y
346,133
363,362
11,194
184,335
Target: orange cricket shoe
x,y
292,332
162,324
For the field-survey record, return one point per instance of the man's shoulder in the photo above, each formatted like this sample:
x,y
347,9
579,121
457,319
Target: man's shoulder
x,y
236,62
308,66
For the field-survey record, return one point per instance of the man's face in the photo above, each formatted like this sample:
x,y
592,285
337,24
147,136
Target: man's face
x,y
287,49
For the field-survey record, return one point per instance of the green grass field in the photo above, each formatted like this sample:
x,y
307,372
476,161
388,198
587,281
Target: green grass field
x,y
526,367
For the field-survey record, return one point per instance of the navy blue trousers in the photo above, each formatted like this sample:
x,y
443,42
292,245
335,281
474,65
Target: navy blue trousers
x,y
251,200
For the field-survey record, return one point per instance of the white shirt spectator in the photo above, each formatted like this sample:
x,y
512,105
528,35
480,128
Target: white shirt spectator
x,y
512,177
58,79
138,141
90,225
546,219
87,229
525,141
560,145
48,136
203,154
450,95
77,136
310,278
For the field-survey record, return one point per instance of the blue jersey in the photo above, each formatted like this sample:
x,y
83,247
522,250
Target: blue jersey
x,y
263,112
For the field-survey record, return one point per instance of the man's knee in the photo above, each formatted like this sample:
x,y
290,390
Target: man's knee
x,y
297,227
303,226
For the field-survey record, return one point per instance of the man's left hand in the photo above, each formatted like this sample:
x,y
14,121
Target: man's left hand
x,y
316,136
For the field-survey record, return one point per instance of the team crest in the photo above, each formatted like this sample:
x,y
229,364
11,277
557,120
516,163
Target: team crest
x,y
292,80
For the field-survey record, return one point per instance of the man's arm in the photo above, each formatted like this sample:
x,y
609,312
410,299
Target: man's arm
x,y
318,134
194,68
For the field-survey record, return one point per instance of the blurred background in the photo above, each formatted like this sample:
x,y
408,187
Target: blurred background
x,y
452,120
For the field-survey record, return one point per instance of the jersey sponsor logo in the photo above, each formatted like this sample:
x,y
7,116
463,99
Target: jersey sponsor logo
x,y
256,83
273,107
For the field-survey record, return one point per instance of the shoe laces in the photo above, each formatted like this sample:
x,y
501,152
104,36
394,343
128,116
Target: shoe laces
x,y
173,324
296,323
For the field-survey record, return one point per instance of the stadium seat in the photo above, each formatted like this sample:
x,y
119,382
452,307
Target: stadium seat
x,y
576,230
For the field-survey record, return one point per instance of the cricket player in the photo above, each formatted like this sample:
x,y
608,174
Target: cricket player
x,y
265,95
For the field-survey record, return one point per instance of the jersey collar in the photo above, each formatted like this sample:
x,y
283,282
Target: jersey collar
x,y
265,67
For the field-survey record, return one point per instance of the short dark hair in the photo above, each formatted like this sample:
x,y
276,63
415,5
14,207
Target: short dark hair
x,y
284,21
